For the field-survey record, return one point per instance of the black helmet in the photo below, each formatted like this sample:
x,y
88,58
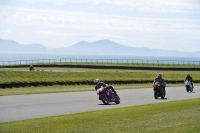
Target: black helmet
x,y
188,75
96,81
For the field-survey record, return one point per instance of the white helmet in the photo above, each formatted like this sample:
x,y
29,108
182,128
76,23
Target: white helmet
x,y
96,81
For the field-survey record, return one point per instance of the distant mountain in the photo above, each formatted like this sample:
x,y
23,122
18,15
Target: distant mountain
x,y
107,47
9,45
101,47
98,47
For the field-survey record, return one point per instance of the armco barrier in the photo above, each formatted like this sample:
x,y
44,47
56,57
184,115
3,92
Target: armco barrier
x,y
86,82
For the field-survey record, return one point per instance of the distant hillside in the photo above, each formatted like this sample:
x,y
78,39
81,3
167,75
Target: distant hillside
x,y
9,45
107,47
101,47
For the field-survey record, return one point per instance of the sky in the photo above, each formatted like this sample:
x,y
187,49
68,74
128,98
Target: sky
x,y
157,24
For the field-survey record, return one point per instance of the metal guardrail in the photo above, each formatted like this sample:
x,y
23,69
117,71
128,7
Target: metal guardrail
x,y
102,61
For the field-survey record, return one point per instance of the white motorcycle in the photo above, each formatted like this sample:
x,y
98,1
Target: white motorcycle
x,y
188,86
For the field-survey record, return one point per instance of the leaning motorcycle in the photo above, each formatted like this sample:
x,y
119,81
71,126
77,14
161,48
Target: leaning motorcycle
x,y
188,86
109,97
159,90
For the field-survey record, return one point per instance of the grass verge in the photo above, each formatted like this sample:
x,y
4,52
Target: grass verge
x,y
176,116
62,76
74,88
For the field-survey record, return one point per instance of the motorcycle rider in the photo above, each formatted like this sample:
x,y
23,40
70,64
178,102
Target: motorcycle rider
x,y
99,85
189,78
31,67
160,80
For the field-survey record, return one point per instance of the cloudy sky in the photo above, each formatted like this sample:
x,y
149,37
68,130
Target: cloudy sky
x,y
161,24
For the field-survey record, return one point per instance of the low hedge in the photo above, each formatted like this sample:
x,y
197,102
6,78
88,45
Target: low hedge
x,y
86,82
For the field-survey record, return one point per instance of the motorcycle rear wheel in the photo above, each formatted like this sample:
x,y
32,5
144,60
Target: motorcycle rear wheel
x,y
163,94
187,88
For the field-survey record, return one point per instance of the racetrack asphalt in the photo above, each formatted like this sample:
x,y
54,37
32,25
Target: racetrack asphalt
x,y
21,107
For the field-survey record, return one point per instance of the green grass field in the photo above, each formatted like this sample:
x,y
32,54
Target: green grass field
x,y
55,74
175,117
75,74
70,88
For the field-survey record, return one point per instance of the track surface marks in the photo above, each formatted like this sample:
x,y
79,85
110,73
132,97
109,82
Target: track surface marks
x,y
21,107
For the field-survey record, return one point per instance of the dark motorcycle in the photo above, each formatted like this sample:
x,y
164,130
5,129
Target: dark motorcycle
x,y
188,86
104,97
159,90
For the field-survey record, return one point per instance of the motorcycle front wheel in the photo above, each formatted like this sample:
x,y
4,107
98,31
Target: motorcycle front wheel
x,y
156,94
117,100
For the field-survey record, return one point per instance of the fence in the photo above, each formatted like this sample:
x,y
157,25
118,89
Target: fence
x,y
102,61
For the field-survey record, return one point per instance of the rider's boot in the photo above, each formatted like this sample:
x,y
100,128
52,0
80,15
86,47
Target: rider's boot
x,y
100,98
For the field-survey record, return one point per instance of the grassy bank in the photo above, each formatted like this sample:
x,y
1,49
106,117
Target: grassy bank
x,y
21,77
176,117
49,75
74,88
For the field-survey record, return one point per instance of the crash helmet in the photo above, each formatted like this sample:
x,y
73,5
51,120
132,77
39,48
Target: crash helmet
x,y
159,75
188,75
96,81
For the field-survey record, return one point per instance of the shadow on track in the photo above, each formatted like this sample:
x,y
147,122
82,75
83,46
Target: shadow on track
x,y
108,104
161,99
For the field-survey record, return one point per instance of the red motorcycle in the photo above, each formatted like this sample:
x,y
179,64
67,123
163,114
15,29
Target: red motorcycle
x,y
159,90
